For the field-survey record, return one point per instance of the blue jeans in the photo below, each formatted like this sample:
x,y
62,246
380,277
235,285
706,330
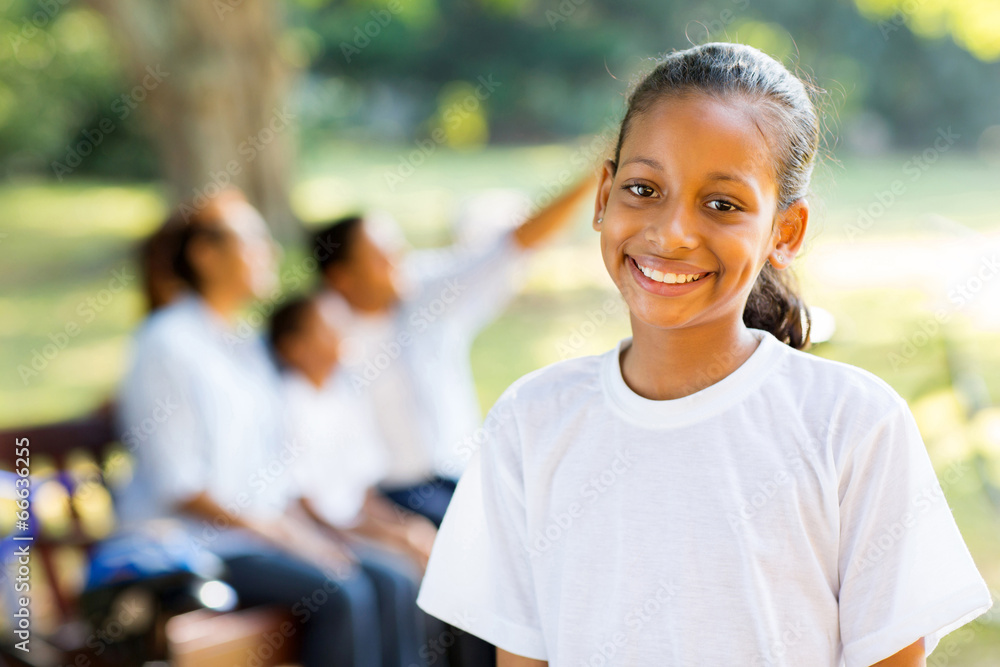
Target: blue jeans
x,y
367,619
429,498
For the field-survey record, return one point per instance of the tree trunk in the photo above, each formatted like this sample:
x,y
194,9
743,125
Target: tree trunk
x,y
216,96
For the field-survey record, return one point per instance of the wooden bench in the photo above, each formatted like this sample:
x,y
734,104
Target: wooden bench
x,y
71,462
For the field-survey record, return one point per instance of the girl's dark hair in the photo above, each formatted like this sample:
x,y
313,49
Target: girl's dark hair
x,y
787,113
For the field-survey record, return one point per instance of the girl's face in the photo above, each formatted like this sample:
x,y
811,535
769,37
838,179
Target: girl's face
x,y
690,215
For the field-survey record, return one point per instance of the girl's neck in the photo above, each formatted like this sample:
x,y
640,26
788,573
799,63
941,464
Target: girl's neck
x,y
666,364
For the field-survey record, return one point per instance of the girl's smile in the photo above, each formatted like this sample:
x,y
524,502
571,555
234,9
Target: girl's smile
x,y
666,278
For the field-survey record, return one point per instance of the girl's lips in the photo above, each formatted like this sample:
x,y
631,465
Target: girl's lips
x,y
664,289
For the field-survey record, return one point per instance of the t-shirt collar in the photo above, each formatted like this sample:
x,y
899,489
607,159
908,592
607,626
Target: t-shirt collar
x,y
695,407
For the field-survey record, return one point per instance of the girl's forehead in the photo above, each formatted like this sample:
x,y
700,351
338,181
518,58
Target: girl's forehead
x,y
701,135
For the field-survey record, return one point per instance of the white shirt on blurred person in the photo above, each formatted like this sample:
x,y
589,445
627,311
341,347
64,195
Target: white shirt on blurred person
x,y
199,410
333,428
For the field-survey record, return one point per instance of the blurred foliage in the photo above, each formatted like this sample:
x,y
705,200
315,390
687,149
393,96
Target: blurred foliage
x,y
389,71
59,76
974,24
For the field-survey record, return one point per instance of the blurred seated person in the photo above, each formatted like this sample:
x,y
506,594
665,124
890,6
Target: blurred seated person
x,y
408,328
200,406
340,460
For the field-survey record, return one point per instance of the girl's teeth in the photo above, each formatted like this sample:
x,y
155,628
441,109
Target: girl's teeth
x,y
669,278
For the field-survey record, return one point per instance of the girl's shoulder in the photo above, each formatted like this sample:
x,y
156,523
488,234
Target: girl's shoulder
x,y
840,381
566,382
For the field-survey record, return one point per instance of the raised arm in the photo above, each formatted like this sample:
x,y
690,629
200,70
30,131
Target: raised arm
x,y
505,659
541,226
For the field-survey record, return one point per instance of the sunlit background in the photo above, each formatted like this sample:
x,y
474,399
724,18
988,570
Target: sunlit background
x,y
112,110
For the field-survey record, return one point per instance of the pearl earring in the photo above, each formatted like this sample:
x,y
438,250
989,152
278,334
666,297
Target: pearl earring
x,y
780,257
600,220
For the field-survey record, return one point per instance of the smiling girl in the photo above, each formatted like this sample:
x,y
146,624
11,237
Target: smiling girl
x,y
706,493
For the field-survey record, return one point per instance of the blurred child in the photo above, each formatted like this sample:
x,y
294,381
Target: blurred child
x,y
342,456
337,463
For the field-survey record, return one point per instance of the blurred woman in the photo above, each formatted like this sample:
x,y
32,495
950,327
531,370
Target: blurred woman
x,y
200,409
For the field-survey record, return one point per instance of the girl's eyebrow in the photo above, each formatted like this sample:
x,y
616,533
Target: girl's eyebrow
x,y
722,176
644,160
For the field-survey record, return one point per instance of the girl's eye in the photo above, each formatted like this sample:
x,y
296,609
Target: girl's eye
x,y
640,190
723,205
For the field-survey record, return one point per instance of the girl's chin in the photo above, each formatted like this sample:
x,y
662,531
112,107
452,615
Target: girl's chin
x,y
658,316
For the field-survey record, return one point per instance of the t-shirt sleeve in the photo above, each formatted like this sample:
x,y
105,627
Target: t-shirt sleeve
x,y
476,285
479,576
905,571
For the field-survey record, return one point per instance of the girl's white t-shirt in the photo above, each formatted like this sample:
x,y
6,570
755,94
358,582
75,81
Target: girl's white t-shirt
x,y
785,515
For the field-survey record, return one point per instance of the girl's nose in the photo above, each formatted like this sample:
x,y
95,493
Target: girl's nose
x,y
674,228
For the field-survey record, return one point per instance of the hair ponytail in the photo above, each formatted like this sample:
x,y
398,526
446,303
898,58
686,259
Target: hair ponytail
x,y
775,305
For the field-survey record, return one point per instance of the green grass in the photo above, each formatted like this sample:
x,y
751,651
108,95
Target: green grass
x,y
61,244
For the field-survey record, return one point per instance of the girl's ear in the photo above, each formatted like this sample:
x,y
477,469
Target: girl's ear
x,y
606,179
790,232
